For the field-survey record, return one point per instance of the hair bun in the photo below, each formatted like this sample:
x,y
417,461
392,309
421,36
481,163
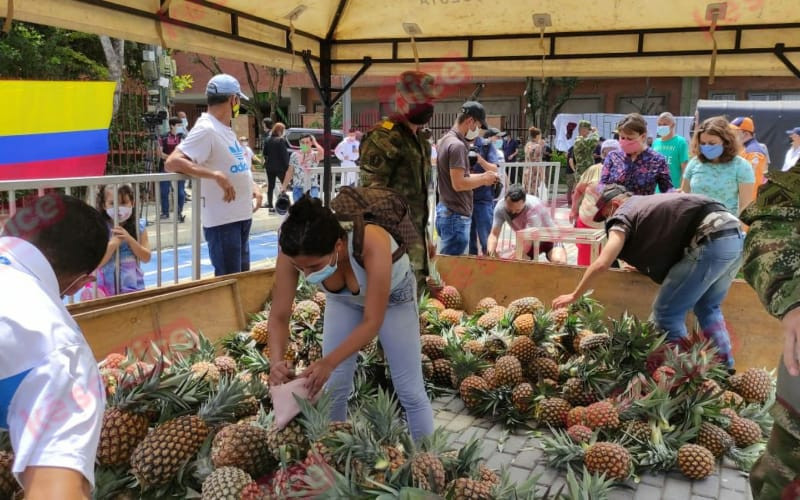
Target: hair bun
x,y
306,208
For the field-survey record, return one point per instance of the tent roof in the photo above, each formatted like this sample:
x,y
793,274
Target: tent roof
x,y
456,38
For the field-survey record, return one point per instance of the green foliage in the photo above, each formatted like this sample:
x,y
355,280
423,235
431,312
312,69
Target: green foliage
x,y
337,117
181,83
32,51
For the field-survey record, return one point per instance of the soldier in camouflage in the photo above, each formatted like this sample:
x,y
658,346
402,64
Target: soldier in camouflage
x,y
583,153
772,267
397,154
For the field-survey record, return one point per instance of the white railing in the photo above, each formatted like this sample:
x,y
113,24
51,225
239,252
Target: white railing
x,y
538,178
148,197
340,176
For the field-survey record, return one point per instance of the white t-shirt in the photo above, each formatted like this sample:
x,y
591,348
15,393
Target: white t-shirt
x,y
214,146
792,156
51,396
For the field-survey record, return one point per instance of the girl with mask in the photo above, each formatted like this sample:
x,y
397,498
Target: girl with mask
x,y
718,171
635,165
377,296
300,165
128,237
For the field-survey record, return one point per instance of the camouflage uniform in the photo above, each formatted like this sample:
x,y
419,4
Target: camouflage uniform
x,y
771,266
393,156
583,153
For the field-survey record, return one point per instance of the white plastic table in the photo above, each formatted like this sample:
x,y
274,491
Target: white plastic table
x,y
536,235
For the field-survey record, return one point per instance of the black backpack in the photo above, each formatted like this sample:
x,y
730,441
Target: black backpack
x,y
375,205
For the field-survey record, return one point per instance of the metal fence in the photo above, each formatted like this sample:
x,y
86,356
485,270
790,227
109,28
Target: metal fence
x,y
17,195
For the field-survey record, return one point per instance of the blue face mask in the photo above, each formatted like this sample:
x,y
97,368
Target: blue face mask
x,y
498,144
712,151
326,272
663,130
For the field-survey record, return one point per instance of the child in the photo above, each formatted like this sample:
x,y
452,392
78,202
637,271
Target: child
x,y
129,237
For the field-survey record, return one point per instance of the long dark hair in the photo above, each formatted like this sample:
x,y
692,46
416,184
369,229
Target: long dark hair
x,y
126,191
310,229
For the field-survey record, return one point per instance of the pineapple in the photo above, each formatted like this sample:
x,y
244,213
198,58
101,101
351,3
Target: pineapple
x,y
639,429
260,333
160,455
306,311
714,438
495,347
463,364
433,346
559,317
205,371
476,347
594,342
485,304
9,486
578,338
490,376
732,399
508,371
226,365
291,438
427,367
111,378
320,299
114,360
428,472
576,392
524,305
451,317
580,433
695,461
487,475
436,305
497,310
755,385
225,483
553,412
523,325
576,416
522,397
442,372
465,488
744,432
242,446
601,415
450,297
608,458
543,368
489,320
523,348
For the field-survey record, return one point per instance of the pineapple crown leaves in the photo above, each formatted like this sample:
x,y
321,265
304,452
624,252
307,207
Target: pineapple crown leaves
x,y
745,458
254,362
761,414
223,401
587,486
693,366
497,404
585,303
156,388
507,488
315,418
436,443
561,450
112,481
238,344
383,415
465,463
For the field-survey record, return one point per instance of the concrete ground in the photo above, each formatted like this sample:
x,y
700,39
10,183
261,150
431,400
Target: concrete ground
x,y
522,454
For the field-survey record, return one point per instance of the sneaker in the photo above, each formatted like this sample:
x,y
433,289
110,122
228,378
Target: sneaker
x,y
182,218
164,217
188,197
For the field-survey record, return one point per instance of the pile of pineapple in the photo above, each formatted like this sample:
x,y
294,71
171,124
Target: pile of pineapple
x,y
616,398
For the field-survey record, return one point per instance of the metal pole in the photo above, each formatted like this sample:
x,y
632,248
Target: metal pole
x,y
196,243
325,88
347,108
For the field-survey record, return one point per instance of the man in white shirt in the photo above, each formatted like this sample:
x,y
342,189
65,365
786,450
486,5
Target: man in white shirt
x,y
793,154
211,151
347,152
51,396
520,211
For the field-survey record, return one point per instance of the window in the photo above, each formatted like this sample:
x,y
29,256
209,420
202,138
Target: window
x,y
646,105
722,96
583,104
778,95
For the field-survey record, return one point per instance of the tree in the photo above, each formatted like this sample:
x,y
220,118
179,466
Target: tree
x,y
257,96
276,94
647,105
542,106
114,50
212,66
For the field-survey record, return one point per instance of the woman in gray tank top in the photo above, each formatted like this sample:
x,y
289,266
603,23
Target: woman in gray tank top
x,y
379,296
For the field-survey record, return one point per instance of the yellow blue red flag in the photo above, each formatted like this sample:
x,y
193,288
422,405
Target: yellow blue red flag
x,y
54,129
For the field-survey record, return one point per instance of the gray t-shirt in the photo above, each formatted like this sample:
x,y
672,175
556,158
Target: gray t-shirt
x,y
452,153
535,214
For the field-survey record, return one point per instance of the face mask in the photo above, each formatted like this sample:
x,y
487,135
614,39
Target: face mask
x,y
712,151
630,146
235,110
305,148
123,213
663,130
472,134
498,144
180,129
318,277
420,114
185,123
64,293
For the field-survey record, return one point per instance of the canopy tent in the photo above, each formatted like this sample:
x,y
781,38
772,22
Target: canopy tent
x,y
456,40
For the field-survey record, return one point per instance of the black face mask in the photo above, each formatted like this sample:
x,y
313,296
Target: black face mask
x,y
512,215
420,114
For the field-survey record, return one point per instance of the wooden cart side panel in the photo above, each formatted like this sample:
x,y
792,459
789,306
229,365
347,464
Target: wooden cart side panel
x,y
756,336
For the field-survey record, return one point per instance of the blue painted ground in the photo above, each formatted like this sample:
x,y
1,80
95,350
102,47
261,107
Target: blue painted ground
x,y
263,246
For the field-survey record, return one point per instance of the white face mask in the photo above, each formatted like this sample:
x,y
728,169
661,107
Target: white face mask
x,y
472,134
123,213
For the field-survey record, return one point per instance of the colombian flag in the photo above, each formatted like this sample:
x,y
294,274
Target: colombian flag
x,y
54,129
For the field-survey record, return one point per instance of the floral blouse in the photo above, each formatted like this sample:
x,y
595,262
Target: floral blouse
x,y
302,162
640,176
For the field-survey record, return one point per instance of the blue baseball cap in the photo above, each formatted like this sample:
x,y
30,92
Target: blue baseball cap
x,y
795,130
223,84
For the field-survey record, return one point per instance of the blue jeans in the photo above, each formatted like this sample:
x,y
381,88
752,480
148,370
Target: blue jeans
x,y
229,247
297,192
165,187
453,231
699,282
482,216
399,336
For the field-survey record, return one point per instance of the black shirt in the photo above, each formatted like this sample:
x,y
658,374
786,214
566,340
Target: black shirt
x,y
276,151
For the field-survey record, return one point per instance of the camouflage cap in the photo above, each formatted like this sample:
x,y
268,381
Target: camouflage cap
x,y
415,87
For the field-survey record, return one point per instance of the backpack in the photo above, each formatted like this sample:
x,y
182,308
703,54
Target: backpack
x,y
375,205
